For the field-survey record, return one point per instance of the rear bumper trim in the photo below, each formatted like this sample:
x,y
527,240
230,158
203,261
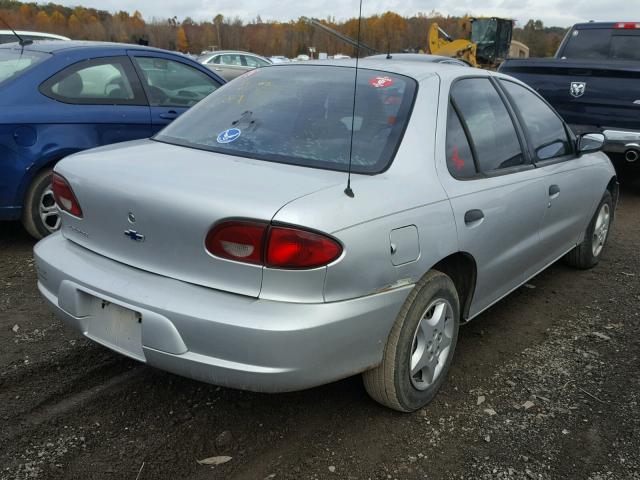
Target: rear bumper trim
x,y
219,337
619,141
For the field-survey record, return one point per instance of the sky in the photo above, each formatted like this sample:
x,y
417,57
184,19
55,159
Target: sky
x,y
560,13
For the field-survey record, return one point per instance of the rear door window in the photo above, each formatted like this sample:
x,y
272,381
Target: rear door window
x,y
104,81
492,133
302,115
231,60
173,84
546,131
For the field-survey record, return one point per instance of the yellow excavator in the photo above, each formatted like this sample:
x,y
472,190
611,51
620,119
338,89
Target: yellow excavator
x,y
487,47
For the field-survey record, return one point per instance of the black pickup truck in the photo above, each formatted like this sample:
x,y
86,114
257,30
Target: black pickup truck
x,y
594,83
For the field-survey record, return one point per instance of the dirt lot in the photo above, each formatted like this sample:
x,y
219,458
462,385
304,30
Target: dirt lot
x,y
546,384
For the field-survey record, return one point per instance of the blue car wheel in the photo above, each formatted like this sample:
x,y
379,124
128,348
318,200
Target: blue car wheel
x,y
40,216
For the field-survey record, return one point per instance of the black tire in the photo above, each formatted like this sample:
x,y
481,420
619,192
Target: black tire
x,y
31,218
583,256
391,382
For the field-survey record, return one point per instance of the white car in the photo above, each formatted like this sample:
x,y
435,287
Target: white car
x,y
7,36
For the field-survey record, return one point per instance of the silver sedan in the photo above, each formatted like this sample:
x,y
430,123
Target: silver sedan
x,y
230,64
230,249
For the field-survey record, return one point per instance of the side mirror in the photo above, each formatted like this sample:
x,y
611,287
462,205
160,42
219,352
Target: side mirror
x,y
591,142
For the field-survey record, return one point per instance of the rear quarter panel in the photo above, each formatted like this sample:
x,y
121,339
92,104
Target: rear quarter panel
x,y
407,194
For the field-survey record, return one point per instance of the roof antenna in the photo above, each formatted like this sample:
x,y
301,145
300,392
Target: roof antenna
x,y
21,41
348,191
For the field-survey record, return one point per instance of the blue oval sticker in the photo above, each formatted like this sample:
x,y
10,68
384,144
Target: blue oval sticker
x,y
229,135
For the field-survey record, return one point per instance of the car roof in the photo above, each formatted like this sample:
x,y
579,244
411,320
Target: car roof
x,y
54,46
35,34
410,68
240,52
589,25
422,57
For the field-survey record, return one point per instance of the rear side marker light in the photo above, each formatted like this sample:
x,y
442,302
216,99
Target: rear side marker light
x,y
64,196
260,243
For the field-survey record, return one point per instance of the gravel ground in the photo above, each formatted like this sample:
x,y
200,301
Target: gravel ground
x,y
545,385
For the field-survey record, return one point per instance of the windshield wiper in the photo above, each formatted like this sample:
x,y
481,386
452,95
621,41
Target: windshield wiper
x,y
245,116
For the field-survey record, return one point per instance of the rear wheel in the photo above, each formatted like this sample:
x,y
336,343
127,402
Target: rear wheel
x,y
40,215
420,346
588,253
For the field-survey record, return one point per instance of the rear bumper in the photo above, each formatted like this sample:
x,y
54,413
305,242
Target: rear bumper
x,y
217,337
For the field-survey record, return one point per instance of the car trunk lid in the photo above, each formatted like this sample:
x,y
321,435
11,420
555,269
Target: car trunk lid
x,y
150,205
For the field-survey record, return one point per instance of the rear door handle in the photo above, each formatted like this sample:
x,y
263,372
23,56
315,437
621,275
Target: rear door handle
x,y
473,216
170,115
554,191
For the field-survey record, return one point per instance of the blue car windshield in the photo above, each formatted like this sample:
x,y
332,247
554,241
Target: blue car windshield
x,y
302,115
14,61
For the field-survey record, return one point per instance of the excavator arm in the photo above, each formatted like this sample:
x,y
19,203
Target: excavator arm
x,y
440,43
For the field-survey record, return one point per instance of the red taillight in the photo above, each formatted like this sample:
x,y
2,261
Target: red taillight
x,y
272,246
294,248
627,25
64,196
237,240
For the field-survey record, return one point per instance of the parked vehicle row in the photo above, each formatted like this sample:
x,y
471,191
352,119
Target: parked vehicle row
x,y
57,98
227,249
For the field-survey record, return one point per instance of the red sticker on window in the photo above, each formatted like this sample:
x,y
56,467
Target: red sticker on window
x,y
381,82
457,161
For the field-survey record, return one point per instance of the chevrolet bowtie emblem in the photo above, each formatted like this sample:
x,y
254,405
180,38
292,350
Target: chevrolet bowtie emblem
x,y
133,235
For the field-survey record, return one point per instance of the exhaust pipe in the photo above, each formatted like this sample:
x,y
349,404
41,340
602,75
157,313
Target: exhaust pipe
x,y
631,155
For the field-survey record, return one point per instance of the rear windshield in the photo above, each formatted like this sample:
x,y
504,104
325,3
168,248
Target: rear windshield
x,y
302,115
603,43
15,61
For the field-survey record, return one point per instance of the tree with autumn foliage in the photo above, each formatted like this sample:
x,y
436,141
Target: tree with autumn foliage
x,y
182,42
384,32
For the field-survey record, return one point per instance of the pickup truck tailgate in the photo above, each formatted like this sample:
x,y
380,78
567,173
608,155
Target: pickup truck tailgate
x,y
610,97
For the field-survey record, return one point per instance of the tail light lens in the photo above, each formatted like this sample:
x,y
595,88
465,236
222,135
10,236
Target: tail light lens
x,y
240,241
273,246
64,196
294,248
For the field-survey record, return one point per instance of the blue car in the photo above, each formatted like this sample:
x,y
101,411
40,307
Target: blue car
x,y
57,98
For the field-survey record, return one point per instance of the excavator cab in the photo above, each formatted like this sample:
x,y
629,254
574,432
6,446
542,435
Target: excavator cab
x,y
492,37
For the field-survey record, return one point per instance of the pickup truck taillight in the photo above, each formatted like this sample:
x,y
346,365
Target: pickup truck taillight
x,y
627,25
271,245
64,196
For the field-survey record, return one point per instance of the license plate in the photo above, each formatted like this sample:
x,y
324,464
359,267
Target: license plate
x,y
116,327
